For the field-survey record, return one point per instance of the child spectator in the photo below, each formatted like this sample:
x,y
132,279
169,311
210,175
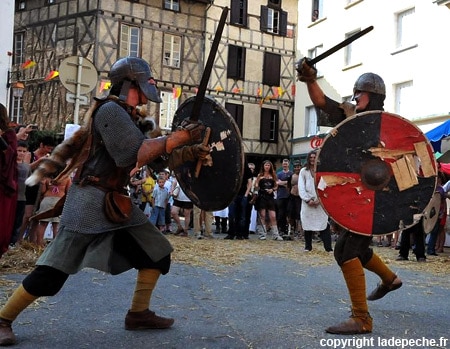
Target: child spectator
x,y
160,198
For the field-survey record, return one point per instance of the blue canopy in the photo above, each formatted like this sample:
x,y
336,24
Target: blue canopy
x,y
436,134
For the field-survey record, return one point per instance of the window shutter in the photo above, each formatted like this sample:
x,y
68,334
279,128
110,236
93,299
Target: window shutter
x,y
263,18
232,66
238,13
264,131
234,13
283,23
271,69
237,112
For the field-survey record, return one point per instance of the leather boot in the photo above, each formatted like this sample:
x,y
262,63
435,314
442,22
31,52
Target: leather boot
x,y
381,290
356,324
146,319
7,336
360,321
389,281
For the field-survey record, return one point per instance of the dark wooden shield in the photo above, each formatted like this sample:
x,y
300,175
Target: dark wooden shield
x,y
217,184
431,213
375,173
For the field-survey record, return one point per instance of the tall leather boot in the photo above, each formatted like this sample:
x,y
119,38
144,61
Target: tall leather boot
x,y
139,317
360,320
389,281
19,300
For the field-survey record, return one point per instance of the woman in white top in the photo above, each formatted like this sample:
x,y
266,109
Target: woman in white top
x,y
312,215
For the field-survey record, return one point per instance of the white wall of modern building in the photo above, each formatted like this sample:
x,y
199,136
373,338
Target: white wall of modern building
x,y
408,47
6,44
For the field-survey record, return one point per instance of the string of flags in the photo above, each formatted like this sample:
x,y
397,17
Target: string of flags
x,y
276,91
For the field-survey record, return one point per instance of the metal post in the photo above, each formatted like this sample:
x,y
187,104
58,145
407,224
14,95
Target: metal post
x,y
77,94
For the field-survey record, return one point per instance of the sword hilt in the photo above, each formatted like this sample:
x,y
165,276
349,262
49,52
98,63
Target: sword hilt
x,y
205,142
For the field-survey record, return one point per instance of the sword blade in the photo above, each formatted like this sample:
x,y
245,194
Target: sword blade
x,y
208,67
337,47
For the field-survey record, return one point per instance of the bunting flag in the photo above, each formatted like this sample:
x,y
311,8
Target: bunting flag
x,y
104,86
53,74
176,92
259,92
196,90
275,92
237,90
219,88
280,92
293,89
28,64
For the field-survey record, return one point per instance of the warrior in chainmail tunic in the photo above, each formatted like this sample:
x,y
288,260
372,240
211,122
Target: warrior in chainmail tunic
x,y
88,235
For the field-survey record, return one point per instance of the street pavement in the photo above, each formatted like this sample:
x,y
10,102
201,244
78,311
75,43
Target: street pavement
x,y
265,302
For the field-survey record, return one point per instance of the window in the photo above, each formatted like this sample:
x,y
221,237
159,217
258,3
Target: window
x,y
18,56
129,41
271,69
404,99
237,112
21,5
406,32
173,5
317,10
172,49
273,21
236,62
238,13
269,125
274,3
50,2
313,53
167,110
311,121
351,55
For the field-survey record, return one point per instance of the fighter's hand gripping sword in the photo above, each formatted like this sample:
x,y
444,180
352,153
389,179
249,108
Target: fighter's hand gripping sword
x,y
305,66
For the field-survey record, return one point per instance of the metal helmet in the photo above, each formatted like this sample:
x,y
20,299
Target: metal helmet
x,y
134,69
370,82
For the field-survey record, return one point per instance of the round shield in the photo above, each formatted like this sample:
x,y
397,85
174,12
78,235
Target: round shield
x,y
431,213
375,173
219,181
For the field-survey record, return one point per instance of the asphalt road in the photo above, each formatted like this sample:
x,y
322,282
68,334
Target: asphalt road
x,y
266,302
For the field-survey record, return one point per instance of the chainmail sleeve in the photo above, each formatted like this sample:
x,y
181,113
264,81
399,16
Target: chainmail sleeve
x,y
120,135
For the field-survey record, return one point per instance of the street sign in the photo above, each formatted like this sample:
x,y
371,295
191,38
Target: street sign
x,y
79,71
71,98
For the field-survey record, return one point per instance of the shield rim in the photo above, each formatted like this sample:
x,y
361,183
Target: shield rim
x,y
241,154
332,133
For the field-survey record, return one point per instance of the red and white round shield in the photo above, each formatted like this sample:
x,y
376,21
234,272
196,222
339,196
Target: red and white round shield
x,y
375,173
